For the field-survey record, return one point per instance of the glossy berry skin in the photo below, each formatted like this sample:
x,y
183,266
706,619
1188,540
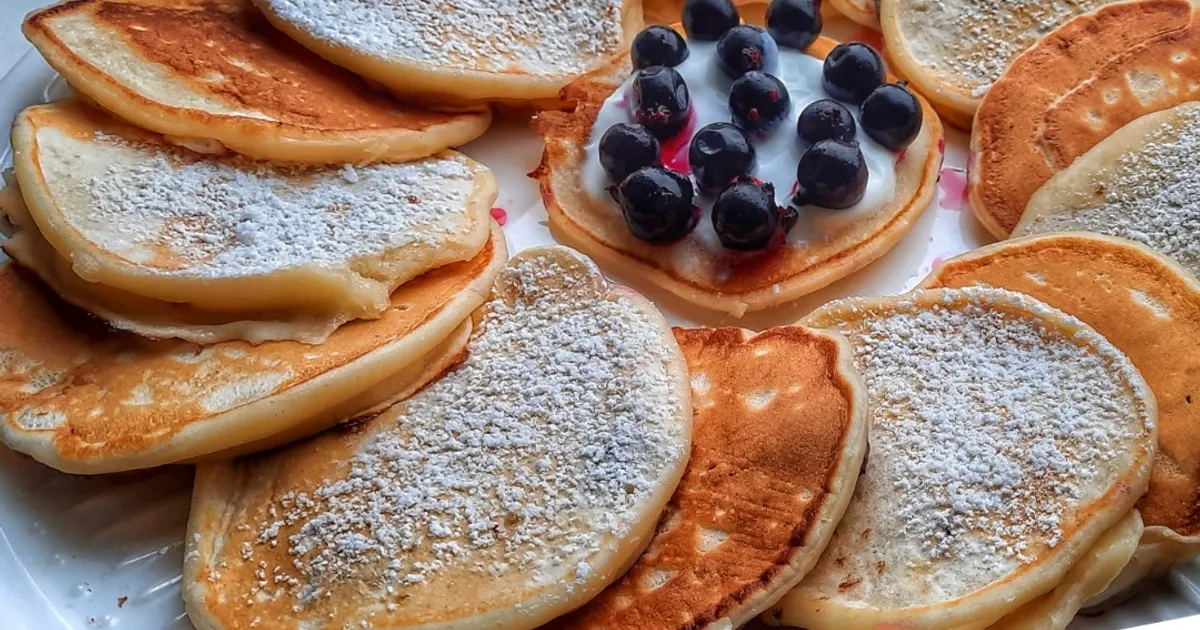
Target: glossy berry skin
x,y
625,148
852,71
720,153
661,101
707,20
745,215
892,116
826,119
758,101
744,48
658,204
658,46
831,174
794,23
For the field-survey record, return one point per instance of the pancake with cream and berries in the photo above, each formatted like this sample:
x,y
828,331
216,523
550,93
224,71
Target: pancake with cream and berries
x,y
745,167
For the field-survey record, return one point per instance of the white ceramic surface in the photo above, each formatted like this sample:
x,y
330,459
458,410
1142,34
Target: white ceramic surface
x,y
105,552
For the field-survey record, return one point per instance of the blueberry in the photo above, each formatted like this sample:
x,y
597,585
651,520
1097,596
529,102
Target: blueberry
x,y
744,48
657,204
661,100
826,119
658,46
831,174
758,101
794,23
892,116
852,71
719,153
709,19
745,215
625,148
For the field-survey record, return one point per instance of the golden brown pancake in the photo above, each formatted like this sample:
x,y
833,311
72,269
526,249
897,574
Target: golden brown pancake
x,y
82,398
1075,87
1006,438
177,244
779,438
214,73
688,268
506,493
1147,306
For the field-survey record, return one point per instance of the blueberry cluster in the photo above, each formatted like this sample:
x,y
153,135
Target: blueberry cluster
x,y
659,204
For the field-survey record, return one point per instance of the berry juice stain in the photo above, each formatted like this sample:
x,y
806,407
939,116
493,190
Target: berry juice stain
x,y
953,186
500,215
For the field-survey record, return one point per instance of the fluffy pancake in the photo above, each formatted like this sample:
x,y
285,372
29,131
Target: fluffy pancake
x,y
688,268
1149,308
1006,438
84,399
1139,183
509,491
954,50
232,237
1075,87
211,74
780,433
447,52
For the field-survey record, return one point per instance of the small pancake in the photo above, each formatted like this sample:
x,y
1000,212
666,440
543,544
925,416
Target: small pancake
x,y
229,236
1091,575
953,51
507,492
211,74
1077,86
1148,307
1139,183
688,268
448,52
1006,438
84,399
780,433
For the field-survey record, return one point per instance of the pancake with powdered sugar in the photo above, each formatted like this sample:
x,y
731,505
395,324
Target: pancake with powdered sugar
x,y
506,493
452,53
172,244
1006,439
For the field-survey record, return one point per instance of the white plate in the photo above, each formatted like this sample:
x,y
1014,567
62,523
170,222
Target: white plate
x,y
105,552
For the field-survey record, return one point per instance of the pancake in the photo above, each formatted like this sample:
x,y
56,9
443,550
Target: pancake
x,y
1147,306
231,237
447,52
780,433
697,270
213,74
953,51
1006,438
507,492
82,398
1139,184
1095,571
1074,88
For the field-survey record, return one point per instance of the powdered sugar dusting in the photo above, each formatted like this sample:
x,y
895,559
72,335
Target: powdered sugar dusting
x,y
232,217
970,43
988,429
547,37
525,462
1151,196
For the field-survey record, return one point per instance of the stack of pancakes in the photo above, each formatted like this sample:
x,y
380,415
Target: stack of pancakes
x,y
230,248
